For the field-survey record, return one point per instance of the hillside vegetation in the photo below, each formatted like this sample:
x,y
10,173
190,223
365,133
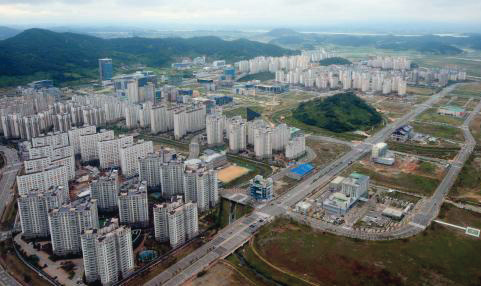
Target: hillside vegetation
x,y
339,113
64,56
335,61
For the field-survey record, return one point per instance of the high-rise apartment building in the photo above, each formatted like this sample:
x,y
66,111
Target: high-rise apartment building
x,y
200,185
134,206
104,189
237,134
88,144
52,176
215,125
175,222
33,209
107,253
68,222
109,151
130,155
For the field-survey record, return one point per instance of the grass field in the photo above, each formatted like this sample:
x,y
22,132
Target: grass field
x,y
398,180
242,111
470,90
326,151
439,131
467,185
438,256
431,115
419,90
475,128
428,151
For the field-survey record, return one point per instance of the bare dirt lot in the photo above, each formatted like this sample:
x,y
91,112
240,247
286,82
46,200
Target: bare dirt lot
x,y
220,275
231,173
325,151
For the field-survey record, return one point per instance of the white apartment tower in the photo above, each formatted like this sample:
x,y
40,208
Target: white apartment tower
x,y
107,252
67,222
200,185
237,134
175,222
33,209
215,125
52,176
75,133
109,151
133,205
88,144
263,142
130,155
104,189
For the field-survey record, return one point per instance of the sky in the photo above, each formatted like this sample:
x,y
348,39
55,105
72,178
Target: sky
x,y
273,13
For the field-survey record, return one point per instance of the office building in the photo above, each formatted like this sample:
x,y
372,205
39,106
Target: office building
x,y
105,69
261,189
68,222
133,205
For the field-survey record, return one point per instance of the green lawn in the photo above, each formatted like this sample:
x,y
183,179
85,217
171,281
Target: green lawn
x,y
438,256
467,185
242,111
431,115
440,131
428,151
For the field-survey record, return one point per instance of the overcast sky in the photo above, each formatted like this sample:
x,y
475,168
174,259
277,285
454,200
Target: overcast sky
x,y
238,12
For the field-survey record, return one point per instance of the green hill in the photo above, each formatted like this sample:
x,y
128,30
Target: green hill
x,y
62,56
334,61
339,113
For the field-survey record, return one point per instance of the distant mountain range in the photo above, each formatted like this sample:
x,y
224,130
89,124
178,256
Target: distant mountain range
x,y
66,56
428,44
7,32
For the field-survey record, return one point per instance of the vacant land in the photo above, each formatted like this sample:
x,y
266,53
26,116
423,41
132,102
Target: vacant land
x,y
255,168
425,150
467,186
439,131
419,90
438,256
471,89
396,179
475,128
231,173
281,186
326,152
431,115
221,274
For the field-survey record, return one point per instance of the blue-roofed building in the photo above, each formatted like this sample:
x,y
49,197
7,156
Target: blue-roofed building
x,y
300,171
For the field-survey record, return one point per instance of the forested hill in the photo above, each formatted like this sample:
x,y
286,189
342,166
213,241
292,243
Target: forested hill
x,y
44,51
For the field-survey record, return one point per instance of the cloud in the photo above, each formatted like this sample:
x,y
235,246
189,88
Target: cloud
x,y
273,12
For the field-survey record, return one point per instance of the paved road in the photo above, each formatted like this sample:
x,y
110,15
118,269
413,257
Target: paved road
x,y
9,173
235,235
